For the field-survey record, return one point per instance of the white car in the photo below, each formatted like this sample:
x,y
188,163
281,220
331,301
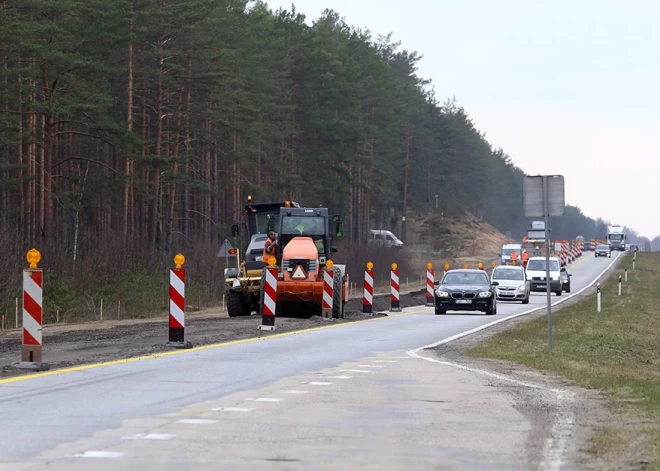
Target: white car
x,y
512,284
536,274
384,238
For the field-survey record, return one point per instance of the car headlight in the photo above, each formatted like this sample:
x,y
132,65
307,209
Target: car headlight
x,y
521,288
554,278
485,294
441,294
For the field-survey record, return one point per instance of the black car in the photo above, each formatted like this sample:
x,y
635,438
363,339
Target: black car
x,y
466,290
565,279
603,251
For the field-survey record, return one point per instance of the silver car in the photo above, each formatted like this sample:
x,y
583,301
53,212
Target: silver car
x,y
513,285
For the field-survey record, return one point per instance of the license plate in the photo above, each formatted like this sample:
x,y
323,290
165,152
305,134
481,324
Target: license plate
x,y
463,301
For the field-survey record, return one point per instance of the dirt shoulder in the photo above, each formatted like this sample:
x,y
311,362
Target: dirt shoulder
x,y
66,345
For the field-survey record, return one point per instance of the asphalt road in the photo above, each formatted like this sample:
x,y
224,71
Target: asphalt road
x,y
64,418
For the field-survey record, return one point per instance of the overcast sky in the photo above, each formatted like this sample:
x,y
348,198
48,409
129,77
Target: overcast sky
x,y
564,87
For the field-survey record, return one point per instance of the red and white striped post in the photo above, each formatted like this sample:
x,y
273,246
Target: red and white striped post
x,y
178,305
269,300
430,281
368,296
394,285
32,315
328,289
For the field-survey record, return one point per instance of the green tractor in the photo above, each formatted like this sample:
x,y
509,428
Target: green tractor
x,y
243,277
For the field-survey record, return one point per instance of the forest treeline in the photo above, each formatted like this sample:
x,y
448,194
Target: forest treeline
x,y
144,124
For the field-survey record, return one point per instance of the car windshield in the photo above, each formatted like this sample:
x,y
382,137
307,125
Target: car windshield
x,y
603,247
539,265
616,236
507,251
303,225
465,278
507,274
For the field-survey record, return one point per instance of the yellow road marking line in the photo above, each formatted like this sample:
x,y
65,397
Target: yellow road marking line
x,y
197,349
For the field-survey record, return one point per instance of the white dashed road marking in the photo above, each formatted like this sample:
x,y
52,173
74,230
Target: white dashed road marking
x,y
340,377
233,409
196,421
357,371
317,383
294,391
150,436
265,399
99,454
372,366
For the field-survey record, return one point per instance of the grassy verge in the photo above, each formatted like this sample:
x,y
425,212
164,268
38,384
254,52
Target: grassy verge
x,y
617,351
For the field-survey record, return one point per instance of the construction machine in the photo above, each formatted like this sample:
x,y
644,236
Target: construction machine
x,y
304,247
243,277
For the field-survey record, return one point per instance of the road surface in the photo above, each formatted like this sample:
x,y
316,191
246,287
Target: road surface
x,y
340,397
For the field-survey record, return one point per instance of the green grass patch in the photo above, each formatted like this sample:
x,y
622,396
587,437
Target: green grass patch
x,y
617,351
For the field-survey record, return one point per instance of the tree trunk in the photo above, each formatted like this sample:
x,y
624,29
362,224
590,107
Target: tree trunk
x,y
129,126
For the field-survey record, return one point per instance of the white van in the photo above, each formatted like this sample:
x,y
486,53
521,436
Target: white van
x,y
384,238
536,274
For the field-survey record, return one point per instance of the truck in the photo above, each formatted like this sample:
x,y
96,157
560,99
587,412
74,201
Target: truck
x,y
305,245
616,237
242,286
534,243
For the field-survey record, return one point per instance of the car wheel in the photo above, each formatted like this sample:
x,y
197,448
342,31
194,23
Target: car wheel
x,y
568,288
596,255
491,311
526,300
558,293
439,311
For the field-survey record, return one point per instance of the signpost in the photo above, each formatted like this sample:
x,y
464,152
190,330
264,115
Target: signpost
x,y
544,197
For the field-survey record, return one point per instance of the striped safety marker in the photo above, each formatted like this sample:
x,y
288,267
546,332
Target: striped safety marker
x,y
328,292
368,297
394,284
269,305
430,280
178,309
32,315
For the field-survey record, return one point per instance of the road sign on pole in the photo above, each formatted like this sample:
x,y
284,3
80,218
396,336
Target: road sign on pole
x,y
544,197
537,188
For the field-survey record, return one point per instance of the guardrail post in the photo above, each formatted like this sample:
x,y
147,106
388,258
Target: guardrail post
x,y
598,305
626,274
32,316
619,285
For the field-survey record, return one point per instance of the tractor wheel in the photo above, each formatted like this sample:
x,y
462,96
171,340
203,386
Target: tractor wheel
x,y
235,305
337,305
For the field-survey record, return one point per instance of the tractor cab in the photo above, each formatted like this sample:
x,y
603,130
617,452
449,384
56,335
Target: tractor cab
x,y
309,223
261,219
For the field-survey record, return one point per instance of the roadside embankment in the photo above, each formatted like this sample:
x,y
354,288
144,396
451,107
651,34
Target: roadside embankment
x,y
615,351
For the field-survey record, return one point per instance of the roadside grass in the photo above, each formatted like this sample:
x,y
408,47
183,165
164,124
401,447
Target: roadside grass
x,y
617,351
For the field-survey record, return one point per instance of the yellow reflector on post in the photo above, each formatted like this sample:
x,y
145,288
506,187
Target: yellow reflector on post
x,y
370,266
179,260
329,264
394,266
33,257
